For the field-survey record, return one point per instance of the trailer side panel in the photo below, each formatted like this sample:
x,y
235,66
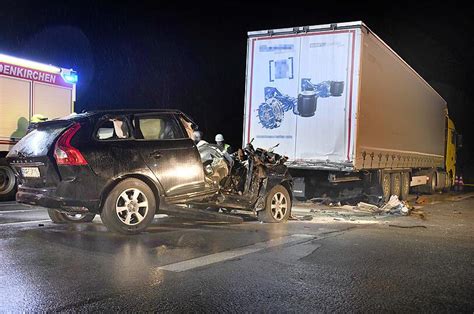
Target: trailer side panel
x,y
401,119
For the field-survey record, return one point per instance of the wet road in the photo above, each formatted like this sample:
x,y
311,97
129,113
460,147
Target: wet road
x,y
186,265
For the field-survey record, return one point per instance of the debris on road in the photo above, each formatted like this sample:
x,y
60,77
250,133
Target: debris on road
x,y
363,212
421,199
395,206
202,215
419,213
321,200
415,226
368,207
307,217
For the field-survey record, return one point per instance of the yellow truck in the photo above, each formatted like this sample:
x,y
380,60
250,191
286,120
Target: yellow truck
x,y
29,90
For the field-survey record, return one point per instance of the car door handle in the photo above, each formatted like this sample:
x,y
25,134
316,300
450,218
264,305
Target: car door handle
x,y
155,155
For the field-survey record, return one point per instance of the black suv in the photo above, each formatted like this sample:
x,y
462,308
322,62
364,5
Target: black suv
x,y
125,164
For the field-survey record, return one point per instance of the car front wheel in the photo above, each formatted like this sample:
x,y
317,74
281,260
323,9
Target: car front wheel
x,y
129,208
277,206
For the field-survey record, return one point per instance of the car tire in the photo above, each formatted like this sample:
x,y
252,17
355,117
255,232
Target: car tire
x,y
277,206
129,208
7,181
58,217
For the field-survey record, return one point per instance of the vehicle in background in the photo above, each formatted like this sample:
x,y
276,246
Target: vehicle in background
x,y
349,113
28,89
125,165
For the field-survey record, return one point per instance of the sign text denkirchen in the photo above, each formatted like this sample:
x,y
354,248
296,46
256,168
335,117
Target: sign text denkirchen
x,y
30,74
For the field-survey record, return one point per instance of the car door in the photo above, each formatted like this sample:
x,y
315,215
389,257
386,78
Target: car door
x,y
169,153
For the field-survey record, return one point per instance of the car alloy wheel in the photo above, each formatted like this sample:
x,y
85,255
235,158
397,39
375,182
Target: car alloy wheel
x,y
279,206
131,206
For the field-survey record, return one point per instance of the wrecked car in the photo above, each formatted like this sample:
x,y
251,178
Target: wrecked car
x,y
125,165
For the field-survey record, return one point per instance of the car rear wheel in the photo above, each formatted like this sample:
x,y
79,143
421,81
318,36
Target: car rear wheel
x,y
58,217
277,206
129,208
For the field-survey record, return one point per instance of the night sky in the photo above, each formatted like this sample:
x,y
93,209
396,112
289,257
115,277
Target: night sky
x,y
192,56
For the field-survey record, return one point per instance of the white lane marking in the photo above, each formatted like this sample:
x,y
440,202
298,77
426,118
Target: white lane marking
x,y
19,211
226,255
8,204
24,222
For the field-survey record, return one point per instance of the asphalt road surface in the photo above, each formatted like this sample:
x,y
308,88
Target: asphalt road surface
x,y
331,263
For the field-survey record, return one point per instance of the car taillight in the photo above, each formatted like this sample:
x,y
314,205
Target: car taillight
x,y
64,152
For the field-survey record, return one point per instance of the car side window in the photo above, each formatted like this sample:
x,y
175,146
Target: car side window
x,y
157,128
112,129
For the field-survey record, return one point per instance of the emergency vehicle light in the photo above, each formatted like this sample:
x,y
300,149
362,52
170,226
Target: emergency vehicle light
x,y
29,64
70,77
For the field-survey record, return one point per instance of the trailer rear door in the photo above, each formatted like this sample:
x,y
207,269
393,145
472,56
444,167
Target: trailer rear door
x,y
325,135
281,63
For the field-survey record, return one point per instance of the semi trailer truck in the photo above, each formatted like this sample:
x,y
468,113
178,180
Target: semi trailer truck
x,y
27,89
348,111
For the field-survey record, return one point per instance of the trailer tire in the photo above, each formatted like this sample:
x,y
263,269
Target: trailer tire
x,y
405,189
395,184
433,182
277,206
7,181
58,217
129,208
386,186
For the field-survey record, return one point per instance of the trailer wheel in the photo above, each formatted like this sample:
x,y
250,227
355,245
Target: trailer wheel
x,y
405,190
277,206
433,182
129,208
386,183
395,184
7,181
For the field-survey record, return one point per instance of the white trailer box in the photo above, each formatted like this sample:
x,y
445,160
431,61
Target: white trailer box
x,y
337,97
28,88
